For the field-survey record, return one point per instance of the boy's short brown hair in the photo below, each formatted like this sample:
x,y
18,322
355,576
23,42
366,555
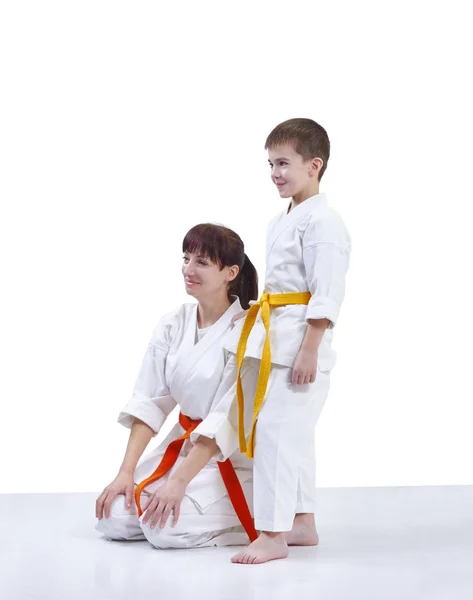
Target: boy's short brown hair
x,y
309,139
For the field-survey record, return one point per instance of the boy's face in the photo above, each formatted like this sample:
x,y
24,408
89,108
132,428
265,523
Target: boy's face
x,y
290,172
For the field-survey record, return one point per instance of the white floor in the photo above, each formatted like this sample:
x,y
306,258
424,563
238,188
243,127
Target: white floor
x,y
376,543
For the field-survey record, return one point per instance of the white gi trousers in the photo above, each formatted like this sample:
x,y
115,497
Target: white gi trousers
x,y
218,525
284,454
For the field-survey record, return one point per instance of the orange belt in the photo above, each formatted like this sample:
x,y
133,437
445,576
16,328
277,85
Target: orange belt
x,y
227,471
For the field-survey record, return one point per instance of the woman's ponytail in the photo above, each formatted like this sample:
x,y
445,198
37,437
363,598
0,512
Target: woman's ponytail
x,y
246,284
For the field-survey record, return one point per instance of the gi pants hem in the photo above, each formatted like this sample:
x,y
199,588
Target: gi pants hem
x,y
307,507
273,526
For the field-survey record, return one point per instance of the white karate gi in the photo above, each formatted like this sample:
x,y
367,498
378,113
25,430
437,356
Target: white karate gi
x,y
308,249
177,370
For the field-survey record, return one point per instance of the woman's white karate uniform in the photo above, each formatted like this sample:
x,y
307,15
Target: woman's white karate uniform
x,y
308,249
178,368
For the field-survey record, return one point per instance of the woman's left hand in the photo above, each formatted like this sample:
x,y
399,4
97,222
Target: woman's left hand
x,y
164,501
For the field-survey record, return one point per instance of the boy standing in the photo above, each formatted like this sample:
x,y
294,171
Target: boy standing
x,y
285,342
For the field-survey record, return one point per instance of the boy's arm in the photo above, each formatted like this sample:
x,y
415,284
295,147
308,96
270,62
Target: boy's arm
x,y
314,334
305,365
326,248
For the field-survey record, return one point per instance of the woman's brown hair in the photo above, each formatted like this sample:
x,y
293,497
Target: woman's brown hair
x,y
225,248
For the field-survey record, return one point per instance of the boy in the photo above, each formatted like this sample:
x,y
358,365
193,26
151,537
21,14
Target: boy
x,y
285,342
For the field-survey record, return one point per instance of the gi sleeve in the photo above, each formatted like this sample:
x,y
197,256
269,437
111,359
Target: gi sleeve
x,y
151,401
326,249
221,423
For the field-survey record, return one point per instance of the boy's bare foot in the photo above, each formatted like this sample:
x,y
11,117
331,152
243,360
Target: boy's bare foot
x,y
269,546
304,532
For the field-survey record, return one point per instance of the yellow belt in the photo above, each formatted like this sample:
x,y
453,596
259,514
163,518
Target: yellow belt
x,y
265,302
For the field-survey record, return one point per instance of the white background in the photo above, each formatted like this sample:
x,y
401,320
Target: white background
x,y
123,124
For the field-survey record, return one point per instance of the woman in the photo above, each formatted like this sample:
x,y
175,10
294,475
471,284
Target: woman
x,y
189,492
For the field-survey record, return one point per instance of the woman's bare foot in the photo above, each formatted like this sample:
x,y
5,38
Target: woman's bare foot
x,y
304,532
269,546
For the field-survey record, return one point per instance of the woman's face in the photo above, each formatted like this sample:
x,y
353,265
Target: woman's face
x,y
203,278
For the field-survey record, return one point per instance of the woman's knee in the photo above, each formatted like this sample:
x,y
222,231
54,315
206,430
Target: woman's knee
x,y
184,534
123,523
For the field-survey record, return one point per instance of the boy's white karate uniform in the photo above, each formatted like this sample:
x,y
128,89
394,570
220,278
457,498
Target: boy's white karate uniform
x,y
308,249
177,370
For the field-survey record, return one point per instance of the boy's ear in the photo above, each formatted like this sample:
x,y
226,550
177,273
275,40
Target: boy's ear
x,y
316,164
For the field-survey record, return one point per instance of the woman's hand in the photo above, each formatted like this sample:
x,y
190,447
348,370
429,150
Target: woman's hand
x,y
122,484
169,496
305,367
166,500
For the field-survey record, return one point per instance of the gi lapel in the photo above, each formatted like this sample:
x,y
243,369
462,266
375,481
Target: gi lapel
x,y
296,214
191,355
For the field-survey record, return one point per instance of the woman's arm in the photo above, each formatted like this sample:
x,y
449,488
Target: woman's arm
x,y
145,412
169,497
140,435
203,450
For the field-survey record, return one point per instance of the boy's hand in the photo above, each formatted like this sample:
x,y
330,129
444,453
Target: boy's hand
x,y
237,317
305,367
